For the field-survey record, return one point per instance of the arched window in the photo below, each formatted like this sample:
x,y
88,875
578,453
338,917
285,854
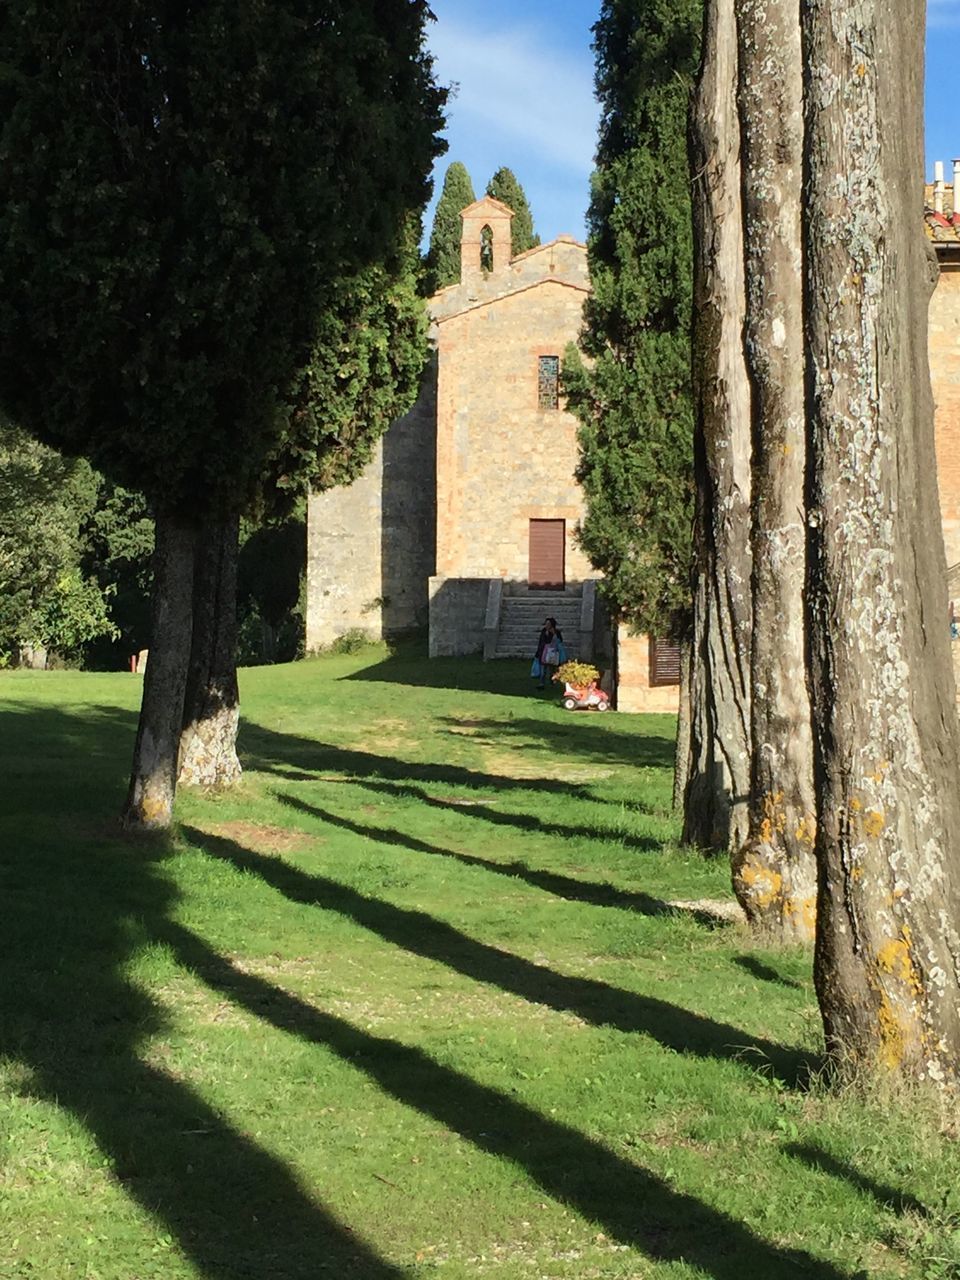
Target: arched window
x,y
486,249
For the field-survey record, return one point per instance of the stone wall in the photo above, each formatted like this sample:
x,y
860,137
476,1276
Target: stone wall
x,y
343,559
501,460
371,544
944,334
457,613
408,534
634,692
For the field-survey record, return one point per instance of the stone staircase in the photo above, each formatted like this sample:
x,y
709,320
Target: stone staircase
x,y
521,619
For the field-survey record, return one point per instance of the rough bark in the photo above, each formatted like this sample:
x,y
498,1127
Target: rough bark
x,y
774,872
715,805
211,714
681,760
153,777
887,748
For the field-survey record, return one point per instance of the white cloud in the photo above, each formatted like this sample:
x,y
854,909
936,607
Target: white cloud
x,y
512,82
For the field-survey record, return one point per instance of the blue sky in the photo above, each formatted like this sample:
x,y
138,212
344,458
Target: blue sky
x,y
524,70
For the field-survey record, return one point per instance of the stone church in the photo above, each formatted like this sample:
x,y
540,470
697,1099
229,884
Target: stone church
x,y
464,521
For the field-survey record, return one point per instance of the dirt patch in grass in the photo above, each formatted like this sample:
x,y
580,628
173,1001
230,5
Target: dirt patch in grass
x,y
262,838
508,765
716,908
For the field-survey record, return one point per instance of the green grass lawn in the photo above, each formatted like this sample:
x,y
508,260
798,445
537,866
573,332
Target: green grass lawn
x,y
413,1002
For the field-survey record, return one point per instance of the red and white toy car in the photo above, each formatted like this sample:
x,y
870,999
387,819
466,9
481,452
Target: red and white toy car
x,y
588,697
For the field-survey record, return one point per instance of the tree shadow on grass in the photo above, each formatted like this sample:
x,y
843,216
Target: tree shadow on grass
x,y
885,1196
630,1203
581,735
302,759
526,822
766,973
78,907
589,999
409,665
567,887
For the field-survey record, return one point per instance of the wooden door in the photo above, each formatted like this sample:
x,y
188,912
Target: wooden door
x,y
547,547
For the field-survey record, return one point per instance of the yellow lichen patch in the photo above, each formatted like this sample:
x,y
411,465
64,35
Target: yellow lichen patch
x,y
892,1035
895,959
806,831
153,808
808,913
801,914
873,823
856,804
762,884
774,818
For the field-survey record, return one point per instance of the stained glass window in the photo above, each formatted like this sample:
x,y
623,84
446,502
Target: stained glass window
x,y
548,382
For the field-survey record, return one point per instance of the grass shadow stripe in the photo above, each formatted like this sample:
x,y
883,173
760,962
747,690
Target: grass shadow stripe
x,y
561,886
629,1202
595,1002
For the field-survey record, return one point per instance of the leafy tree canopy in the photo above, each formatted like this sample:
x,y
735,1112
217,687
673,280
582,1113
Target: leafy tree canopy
x,y
503,186
364,373
47,600
183,189
443,255
633,396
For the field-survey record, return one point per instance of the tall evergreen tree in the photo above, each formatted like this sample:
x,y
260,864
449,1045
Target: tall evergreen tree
x,y
443,254
364,373
183,189
505,187
634,399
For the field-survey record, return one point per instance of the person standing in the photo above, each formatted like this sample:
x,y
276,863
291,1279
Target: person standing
x,y
549,651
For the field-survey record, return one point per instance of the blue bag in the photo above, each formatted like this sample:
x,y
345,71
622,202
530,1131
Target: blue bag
x,y
561,652
536,671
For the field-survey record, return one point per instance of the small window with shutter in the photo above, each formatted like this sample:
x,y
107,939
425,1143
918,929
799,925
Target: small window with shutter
x,y
664,662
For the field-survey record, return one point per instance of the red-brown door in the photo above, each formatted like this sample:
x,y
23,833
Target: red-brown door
x,y
547,546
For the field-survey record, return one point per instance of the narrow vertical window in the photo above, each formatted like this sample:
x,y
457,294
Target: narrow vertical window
x,y
548,382
486,249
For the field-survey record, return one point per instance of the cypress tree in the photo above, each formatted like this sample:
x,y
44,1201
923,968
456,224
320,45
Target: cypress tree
x,y
365,371
184,187
443,255
505,187
633,397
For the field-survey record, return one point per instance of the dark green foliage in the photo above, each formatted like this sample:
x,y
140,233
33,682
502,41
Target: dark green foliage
x,y
182,190
634,398
367,361
503,186
117,550
269,585
48,600
443,255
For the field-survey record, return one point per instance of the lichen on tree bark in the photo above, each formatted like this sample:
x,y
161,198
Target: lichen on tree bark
x,y
211,707
153,778
887,747
715,806
774,871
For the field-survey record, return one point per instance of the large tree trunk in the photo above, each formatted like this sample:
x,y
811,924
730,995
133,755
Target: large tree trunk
x,y
887,754
208,749
774,872
153,777
681,759
715,806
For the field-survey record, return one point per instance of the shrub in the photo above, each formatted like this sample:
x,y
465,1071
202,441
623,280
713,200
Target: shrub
x,y
579,674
